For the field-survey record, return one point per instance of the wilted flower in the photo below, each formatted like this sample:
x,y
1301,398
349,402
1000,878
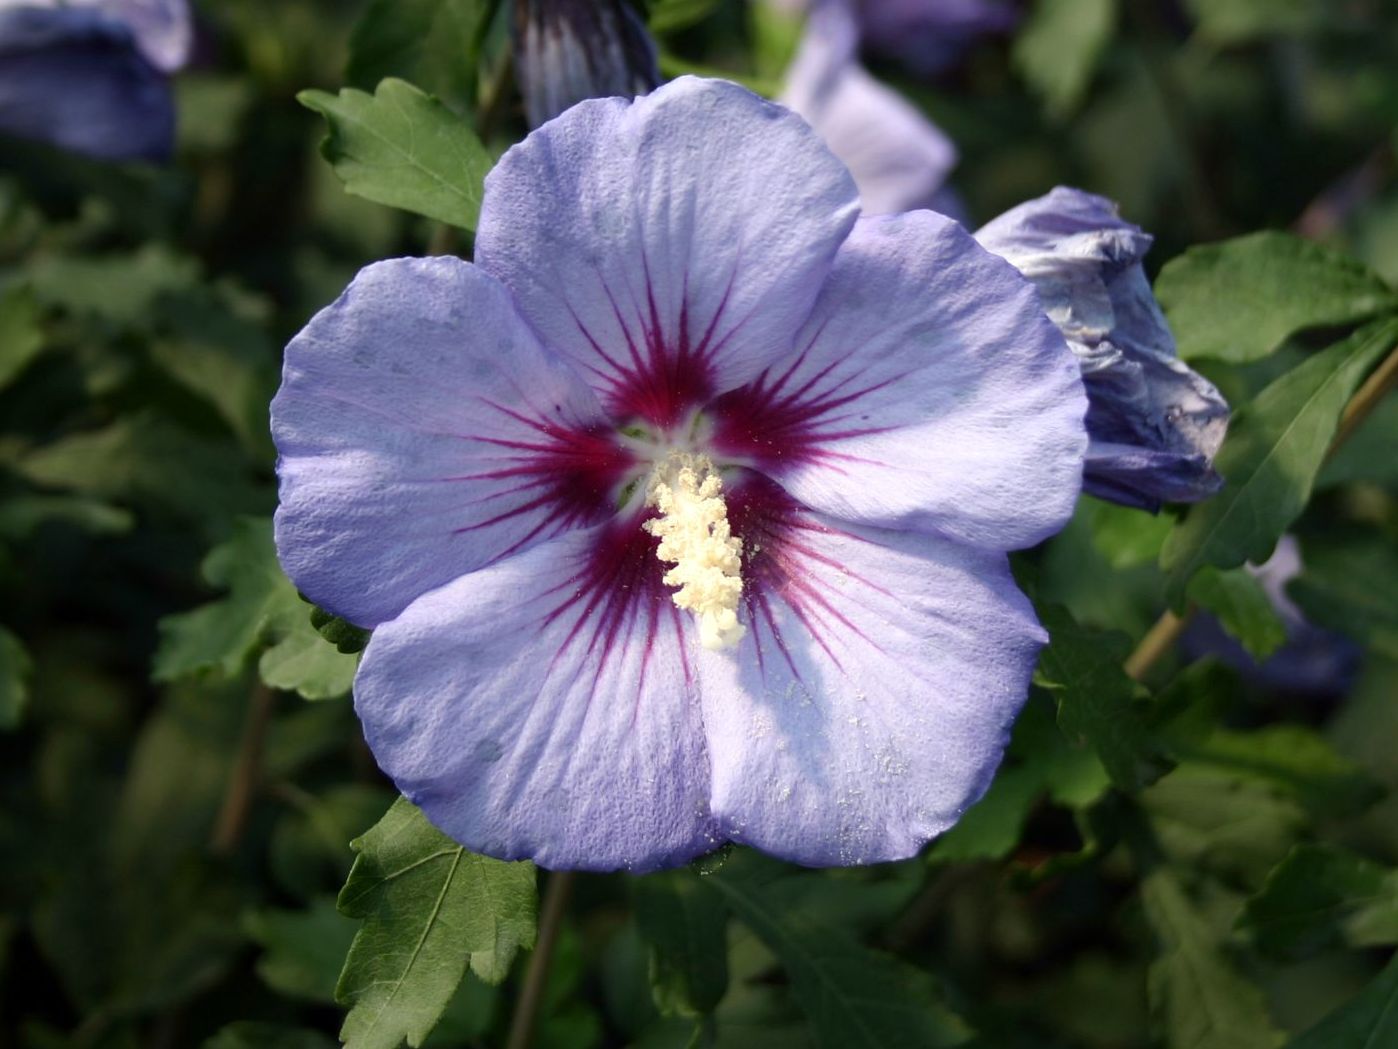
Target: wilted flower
x,y
91,75
1155,423
899,160
570,50
681,516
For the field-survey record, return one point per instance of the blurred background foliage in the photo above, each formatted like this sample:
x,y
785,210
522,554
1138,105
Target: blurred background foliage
x,y
1208,860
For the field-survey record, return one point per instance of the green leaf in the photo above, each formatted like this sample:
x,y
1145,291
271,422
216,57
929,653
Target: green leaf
x,y
429,42
15,668
1242,608
1319,896
1348,586
223,358
403,148
1197,996
250,1035
1370,1021
1126,537
1040,760
683,920
146,460
20,336
1058,48
1097,703
120,289
429,907
1274,450
303,951
1231,826
1291,758
1238,21
669,16
262,607
1239,300
853,998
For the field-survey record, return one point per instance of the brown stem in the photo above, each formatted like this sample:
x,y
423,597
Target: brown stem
x,y
1365,400
531,995
246,774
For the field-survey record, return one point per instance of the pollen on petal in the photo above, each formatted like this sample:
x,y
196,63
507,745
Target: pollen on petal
x,y
695,537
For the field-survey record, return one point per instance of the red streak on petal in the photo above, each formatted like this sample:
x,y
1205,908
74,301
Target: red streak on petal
x,y
572,473
781,564
771,421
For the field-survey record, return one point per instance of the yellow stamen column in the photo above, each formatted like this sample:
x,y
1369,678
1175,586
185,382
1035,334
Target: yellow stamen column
x,y
695,537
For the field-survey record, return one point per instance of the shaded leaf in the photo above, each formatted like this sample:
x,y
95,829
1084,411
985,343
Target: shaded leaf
x,y
1321,895
1349,587
1209,819
1197,995
146,460
250,1035
20,336
303,951
429,907
433,43
262,607
120,289
341,633
1097,704
1239,300
15,668
1058,48
403,148
1237,21
1242,607
853,998
683,920
1270,459
1370,1021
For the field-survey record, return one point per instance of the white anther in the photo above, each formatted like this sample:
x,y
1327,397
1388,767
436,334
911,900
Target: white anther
x,y
695,538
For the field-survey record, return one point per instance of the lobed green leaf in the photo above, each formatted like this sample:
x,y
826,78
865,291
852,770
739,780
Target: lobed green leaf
x,y
429,908
401,147
1239,300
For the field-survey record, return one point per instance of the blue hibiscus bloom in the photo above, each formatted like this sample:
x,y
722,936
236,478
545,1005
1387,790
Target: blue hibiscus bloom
x,y
681,515
92,76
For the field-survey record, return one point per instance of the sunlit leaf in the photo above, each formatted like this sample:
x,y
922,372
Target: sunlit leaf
x,y
429,908
1270,459
1241,299
403,148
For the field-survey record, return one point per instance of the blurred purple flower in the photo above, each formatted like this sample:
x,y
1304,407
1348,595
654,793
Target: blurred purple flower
x,y
1155,423
91,75
1313,661
898,159
927,36
681,516
570,50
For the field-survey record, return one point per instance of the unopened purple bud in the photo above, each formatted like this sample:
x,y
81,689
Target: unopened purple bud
x,y
570,50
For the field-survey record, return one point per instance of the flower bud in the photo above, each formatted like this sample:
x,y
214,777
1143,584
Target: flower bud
x,y
570,50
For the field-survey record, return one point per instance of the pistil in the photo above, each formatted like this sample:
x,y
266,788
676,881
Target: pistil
x,y
695,537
